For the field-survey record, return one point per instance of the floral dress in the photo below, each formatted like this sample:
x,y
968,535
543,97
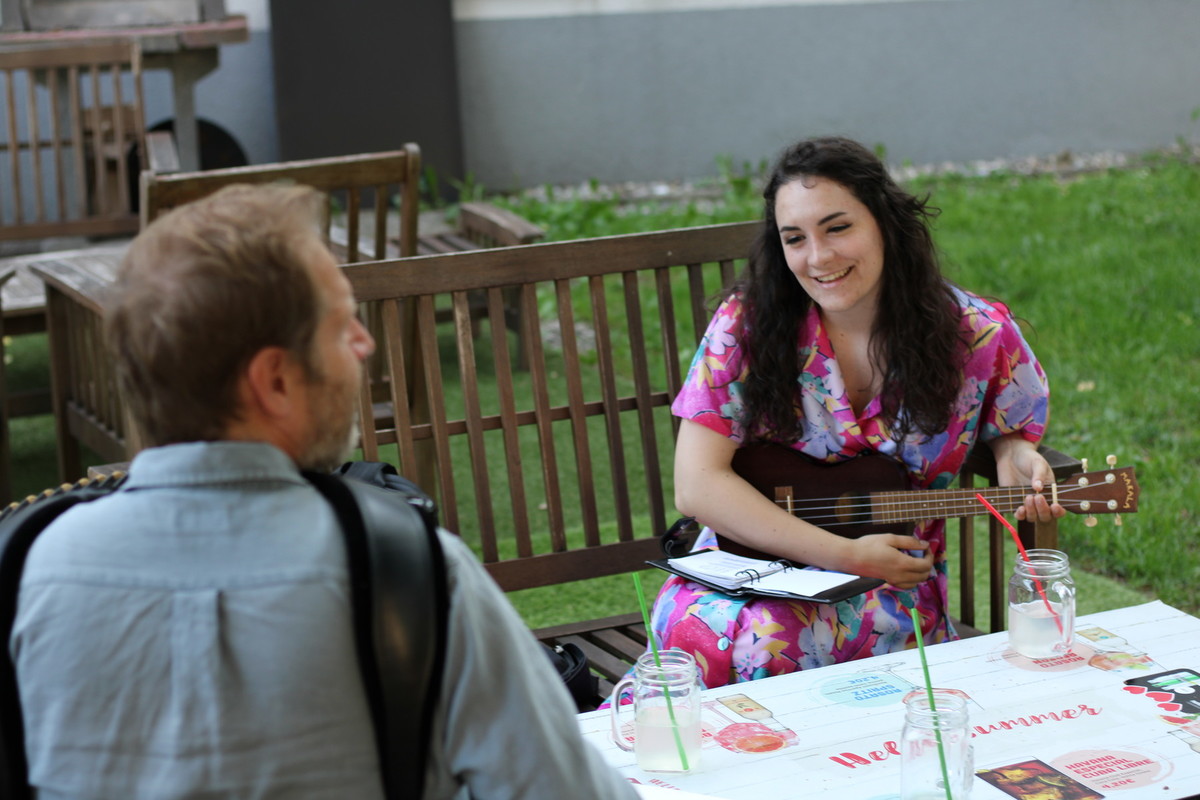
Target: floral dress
x,y
742,638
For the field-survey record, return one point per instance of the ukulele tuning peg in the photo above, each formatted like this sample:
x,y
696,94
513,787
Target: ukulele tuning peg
x,y
1111,460
1117,520
1090,520
1083,462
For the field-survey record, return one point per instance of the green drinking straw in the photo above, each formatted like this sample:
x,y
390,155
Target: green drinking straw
x,y
637,582
937,731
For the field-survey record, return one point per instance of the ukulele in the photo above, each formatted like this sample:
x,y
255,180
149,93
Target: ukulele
x,y
873,493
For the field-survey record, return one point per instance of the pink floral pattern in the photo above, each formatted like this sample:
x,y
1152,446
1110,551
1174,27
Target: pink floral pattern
x,y
737,639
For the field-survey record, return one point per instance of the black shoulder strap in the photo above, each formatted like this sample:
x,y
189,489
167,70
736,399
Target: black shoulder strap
x,y
20,524
401,606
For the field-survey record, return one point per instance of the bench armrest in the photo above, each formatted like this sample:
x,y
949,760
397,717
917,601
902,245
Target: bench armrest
x,y
981,462
493,226
162,156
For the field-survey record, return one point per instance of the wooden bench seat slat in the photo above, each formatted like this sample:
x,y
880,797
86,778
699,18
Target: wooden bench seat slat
x,y
600,660
619,622
615,641
433,245
455,243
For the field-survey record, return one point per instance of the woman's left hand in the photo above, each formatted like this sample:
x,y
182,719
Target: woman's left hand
x,y
1018,463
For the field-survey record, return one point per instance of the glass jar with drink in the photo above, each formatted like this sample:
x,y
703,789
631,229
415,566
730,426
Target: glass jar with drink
x,y
666,712
1041,604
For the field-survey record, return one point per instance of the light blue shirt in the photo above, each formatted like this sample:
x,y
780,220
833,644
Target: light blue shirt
x,y
190,637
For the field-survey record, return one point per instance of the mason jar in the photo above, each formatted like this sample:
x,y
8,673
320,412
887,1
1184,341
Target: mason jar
x,y
1041,605
935,747
666,712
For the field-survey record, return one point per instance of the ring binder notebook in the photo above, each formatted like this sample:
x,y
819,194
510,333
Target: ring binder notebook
x,y
738,575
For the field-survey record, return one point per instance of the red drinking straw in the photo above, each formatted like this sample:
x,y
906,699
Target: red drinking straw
x,y
1024,555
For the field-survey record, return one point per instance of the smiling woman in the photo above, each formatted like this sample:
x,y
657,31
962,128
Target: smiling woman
x,y
841,339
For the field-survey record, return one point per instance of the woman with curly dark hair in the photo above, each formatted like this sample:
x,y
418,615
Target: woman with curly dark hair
x,y
841,339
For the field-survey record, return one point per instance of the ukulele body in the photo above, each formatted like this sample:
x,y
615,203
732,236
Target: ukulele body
x,y
835,497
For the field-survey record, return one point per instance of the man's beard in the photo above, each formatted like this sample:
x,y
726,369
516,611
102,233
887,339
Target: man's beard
x,y
335,434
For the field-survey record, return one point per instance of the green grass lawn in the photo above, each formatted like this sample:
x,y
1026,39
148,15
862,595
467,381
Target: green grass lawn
x,y
1102,268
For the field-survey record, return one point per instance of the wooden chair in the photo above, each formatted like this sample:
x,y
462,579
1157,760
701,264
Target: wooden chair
x,y
71,115
362,190
568,465
480,225
89,411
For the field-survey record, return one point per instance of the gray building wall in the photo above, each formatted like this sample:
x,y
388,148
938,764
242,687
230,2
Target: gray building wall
x,y
660,95
238,96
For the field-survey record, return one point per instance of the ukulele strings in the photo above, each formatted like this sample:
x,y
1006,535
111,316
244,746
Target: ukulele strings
x,y
956,502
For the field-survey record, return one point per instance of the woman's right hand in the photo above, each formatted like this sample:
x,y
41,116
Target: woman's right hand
x,y
892,558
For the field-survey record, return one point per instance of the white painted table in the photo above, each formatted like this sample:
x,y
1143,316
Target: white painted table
x,y
1107,716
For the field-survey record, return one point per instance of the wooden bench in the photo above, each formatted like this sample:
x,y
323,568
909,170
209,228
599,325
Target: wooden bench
x,y
363,190
70,116
563,472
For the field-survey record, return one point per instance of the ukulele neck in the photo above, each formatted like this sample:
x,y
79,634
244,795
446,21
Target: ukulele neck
x,y
942,503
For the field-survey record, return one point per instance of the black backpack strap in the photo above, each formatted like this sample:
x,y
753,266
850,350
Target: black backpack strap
x,y
20,524
400,604
678,539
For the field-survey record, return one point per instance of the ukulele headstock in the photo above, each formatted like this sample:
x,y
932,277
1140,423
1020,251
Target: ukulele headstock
x,y
1109,491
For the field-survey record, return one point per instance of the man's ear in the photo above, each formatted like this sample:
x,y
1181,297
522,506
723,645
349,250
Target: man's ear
x,y
272,381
